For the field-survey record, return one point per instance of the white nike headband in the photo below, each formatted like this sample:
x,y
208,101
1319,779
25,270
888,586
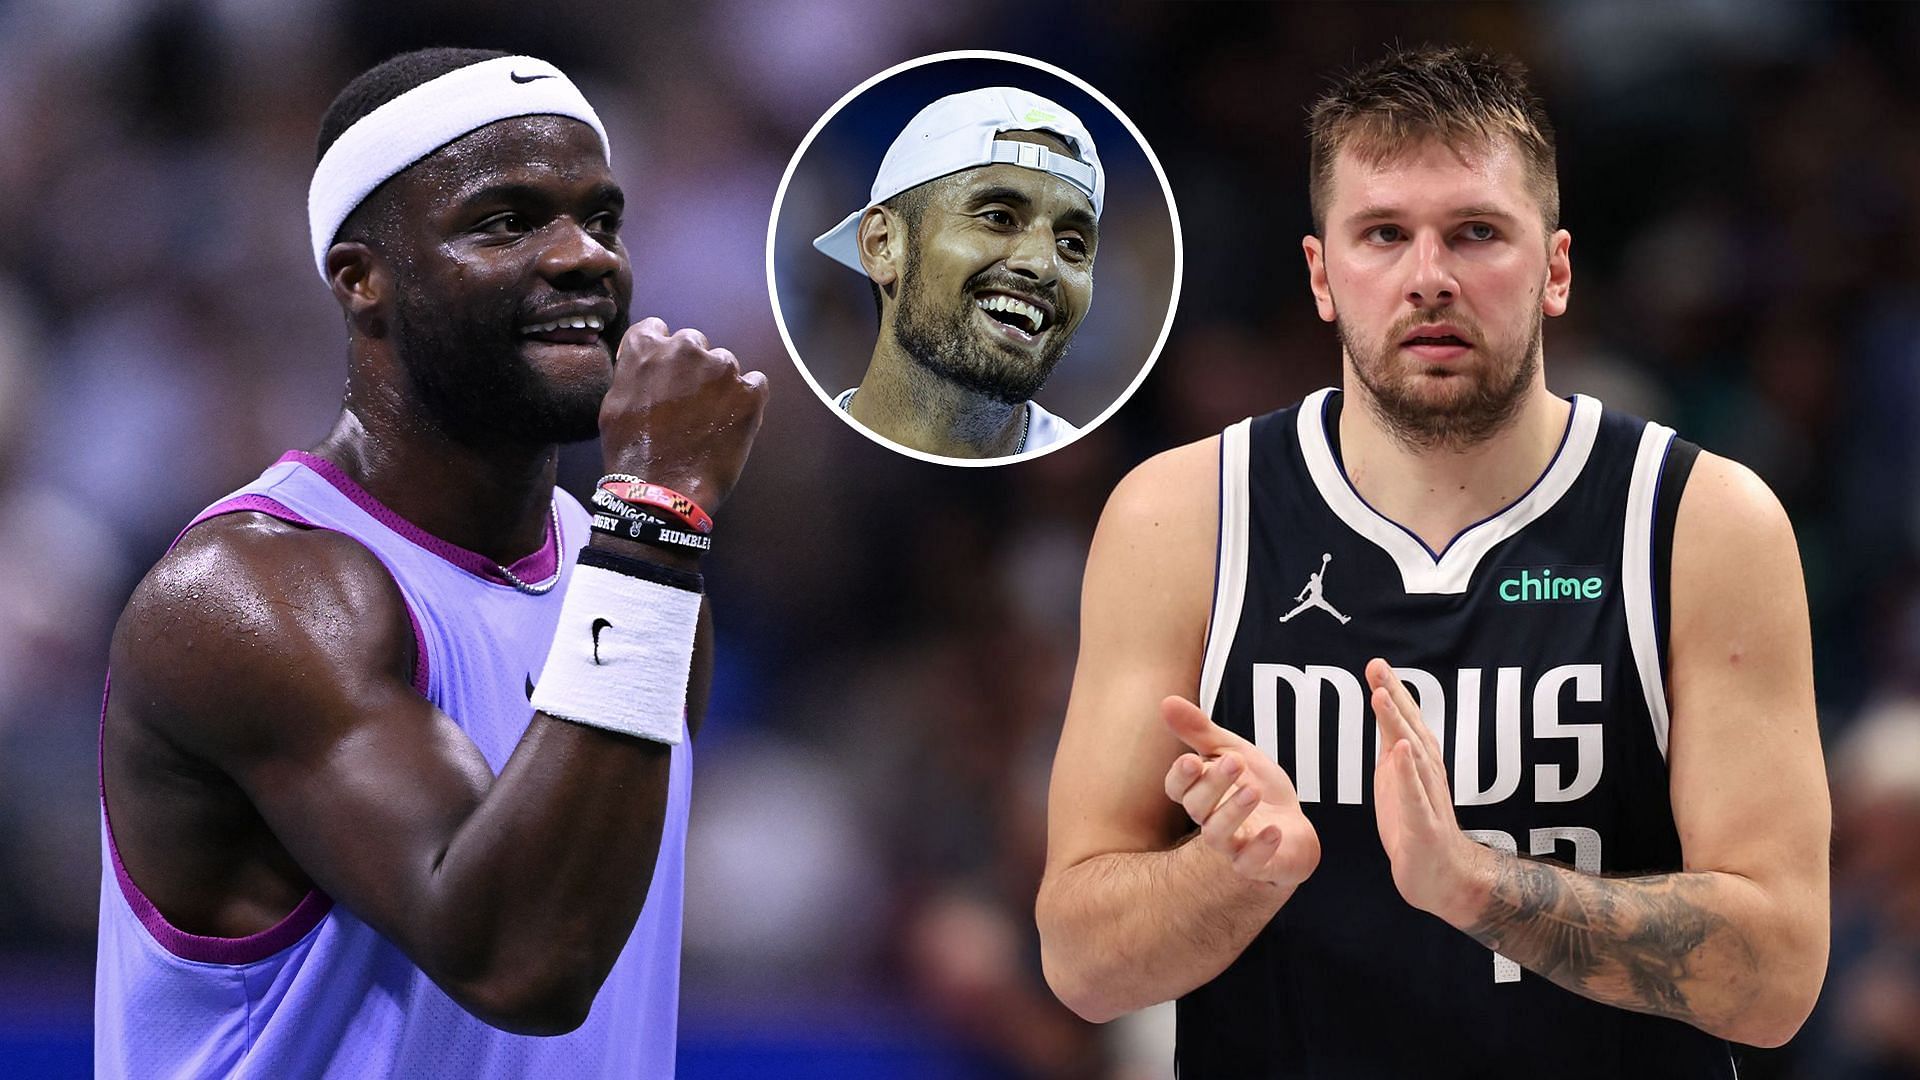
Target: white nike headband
x,y
402,131
958,132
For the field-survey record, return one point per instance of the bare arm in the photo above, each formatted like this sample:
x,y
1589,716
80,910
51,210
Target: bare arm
x,y
1675,945
1129,913
277,658
1736,944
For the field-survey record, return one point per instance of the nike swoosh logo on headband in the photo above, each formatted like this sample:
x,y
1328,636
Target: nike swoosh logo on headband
x,y
519,78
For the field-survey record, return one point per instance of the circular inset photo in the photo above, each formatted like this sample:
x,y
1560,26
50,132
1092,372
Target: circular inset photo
x,y
974,258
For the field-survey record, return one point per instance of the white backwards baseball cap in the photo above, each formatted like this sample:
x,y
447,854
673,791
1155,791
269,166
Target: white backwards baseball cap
x,y
957,132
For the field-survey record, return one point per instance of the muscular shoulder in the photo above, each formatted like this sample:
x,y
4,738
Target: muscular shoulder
x,y
251,617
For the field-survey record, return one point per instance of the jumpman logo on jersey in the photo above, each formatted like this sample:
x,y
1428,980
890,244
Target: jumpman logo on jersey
x,y
1310,597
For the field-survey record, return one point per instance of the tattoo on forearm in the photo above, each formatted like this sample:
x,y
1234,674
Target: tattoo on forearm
x,y
1638,943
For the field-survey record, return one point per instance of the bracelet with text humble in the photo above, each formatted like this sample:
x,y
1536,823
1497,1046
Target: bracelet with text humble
x,y
613,516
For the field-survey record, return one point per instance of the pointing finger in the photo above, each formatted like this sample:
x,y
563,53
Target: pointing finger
x,y
1196,729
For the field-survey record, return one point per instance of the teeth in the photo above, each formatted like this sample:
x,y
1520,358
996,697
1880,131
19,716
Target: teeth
x,y
570,322
1032,315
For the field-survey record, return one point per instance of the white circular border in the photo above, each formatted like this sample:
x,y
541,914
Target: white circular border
x,y
1173,213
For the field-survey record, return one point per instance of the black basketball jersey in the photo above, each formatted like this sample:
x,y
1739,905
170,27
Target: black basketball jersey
x,y
1533,644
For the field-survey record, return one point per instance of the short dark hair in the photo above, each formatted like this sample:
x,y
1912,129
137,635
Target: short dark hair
x,y
373,88
1465,97
389,79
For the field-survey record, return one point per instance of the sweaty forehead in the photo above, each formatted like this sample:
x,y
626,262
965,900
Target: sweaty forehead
x,y
520,147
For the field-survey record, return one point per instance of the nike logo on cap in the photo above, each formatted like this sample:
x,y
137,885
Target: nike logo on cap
x,y
519,78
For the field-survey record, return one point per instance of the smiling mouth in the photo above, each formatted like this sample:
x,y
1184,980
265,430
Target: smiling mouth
x,y
571,322
1022,316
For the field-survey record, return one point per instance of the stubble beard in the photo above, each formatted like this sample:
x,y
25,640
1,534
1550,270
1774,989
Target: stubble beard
x,y
472,385
941,339
1478,404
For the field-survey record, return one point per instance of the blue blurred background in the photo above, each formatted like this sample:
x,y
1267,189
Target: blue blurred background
x,y
1742,181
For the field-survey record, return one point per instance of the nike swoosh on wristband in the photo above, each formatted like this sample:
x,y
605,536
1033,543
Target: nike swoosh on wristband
x,y
519,78
598,625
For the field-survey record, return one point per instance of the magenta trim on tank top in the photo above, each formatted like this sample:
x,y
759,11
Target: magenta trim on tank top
x,y
200,948
537,567
314,906
265,504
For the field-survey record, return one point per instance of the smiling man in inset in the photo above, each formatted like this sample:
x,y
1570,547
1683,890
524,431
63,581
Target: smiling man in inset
x,y
979,238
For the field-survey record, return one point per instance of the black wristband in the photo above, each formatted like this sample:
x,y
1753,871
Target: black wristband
x,y
686,580
654,532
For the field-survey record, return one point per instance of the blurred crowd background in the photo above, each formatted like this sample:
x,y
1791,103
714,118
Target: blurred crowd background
x,y
1742,181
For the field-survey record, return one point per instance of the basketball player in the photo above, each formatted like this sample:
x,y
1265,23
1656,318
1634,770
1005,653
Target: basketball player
x,y
340,840
979,239
1543,796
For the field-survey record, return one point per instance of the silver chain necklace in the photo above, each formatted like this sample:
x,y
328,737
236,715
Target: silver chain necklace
x,y
544,587
1026,419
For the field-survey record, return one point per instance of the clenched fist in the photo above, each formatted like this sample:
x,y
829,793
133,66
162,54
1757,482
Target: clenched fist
x,y
1244,803
681,413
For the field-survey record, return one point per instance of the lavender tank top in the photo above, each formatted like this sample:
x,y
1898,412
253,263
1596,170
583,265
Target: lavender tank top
x,y
321,994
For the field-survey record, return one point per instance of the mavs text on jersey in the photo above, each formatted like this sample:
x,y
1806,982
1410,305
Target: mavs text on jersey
x,y
1535,646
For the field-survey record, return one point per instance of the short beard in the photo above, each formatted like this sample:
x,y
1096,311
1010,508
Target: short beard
x,y
470,383
941,340
1467,419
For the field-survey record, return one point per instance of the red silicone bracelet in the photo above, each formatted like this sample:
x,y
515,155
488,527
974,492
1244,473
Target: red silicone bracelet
x,y
636,492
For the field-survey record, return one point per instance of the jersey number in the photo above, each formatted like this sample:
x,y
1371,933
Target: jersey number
x,y
1586,859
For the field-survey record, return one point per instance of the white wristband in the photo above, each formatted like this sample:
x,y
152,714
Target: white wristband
x,y
621,655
